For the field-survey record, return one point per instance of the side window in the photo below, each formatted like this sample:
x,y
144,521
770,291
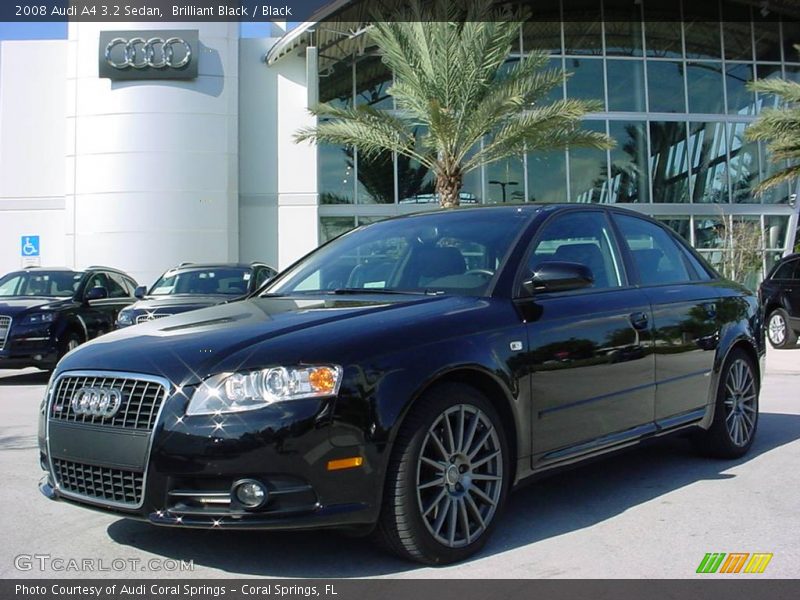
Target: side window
x,y
788,270
656,255
582,237
262,275
96,280
116,286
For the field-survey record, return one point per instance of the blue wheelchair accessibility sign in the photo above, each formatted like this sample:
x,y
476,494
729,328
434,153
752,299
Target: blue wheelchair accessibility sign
x,y
29,245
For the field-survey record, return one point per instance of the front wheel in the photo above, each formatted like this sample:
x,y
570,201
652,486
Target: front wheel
x,y
736,412
447,479
778,331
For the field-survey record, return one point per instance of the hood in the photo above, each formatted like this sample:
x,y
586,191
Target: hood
x,y
19,304
187,347
179,303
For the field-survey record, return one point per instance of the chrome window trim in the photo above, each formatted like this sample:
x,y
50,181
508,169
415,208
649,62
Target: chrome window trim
x,y
168,387
8,331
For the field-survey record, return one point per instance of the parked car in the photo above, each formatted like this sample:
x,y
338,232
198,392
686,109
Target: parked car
x,y
45,313
780,296
403,378
192,286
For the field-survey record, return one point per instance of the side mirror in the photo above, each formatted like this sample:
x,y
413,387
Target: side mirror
x,y
96,293
558,277
140,292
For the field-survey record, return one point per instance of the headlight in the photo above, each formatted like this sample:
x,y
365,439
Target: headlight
x,y
39,318
125,317
236,392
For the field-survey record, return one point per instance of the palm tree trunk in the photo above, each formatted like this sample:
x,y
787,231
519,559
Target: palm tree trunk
x,y
448,187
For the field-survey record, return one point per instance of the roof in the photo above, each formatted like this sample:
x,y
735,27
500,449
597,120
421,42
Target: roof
x,y
188,266
340,29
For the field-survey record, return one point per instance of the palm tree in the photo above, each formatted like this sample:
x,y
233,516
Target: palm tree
x,y
780,128
453,82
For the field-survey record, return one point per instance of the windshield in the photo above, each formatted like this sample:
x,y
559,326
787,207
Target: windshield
x,y
455,252
50,284
228,281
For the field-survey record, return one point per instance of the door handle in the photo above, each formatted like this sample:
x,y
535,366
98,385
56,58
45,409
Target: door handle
x,y
639,320
711,309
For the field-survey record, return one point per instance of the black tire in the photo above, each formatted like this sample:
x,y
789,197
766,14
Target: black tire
x,y
70,341
779,332
735,404
408,530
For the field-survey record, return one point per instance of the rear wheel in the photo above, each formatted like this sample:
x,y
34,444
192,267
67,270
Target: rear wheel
x,y
780,334
447,478
736,412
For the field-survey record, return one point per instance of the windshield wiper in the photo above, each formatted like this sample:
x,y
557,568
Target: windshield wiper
x,y
346,291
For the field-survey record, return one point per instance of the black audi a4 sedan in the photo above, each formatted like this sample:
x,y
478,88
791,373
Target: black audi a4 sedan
x,y
780,296
45,313
403,378
190,286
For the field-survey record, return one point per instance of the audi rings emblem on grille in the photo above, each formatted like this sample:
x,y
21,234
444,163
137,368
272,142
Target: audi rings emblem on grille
x,y
156,53
96,402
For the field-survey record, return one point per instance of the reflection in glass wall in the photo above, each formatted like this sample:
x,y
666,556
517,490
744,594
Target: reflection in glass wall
x,y
669,158
679,76
737,34
585,80
588,171
741,101
630,180
701,29
336,177
680,225
708,153
505,182
625,85
583,27
704,85
666,86
331,227
744,164
547,176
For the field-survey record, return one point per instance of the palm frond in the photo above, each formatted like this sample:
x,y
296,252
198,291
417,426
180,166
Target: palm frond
x,y
372,131
786,175
789,91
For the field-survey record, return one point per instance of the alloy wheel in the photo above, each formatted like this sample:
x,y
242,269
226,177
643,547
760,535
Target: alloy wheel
x,y
740,402
777,329
459,476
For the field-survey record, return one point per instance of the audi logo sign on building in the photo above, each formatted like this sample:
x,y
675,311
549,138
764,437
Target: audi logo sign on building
x,y
96,402
161,54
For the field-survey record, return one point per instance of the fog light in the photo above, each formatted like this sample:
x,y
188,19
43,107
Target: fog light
x,y
250,493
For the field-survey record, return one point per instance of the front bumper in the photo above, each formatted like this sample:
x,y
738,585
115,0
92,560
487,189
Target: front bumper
x,y
189,465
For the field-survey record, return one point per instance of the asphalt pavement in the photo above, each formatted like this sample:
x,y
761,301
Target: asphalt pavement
x,y
652,512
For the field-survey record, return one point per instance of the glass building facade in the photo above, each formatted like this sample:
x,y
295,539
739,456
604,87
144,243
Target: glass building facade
x,y
673,86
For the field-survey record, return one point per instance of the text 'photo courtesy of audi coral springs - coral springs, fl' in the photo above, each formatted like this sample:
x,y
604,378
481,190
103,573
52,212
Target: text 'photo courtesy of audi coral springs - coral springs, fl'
x,y
402,379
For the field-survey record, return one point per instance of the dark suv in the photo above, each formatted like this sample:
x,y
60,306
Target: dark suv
x,y
45,313
780,297
191,286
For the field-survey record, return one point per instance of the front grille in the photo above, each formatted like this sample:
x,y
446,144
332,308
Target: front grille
x,y
5,327
151,317
141,400
102,483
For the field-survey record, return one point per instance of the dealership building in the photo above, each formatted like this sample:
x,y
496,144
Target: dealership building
x,y
116,150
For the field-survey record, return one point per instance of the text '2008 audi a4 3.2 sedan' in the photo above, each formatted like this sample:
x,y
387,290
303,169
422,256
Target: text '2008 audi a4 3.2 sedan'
x,y
403,378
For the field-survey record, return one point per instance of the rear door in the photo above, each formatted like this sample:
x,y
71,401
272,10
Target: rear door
x,y
590,356
684,303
